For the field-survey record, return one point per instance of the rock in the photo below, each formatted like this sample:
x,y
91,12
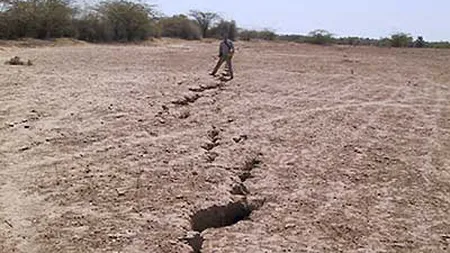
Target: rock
x,y
209,146
289,225
24,149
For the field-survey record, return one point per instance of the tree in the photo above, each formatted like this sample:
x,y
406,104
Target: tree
x,y
419,42
126,20
35,18
204,19
320,37
228,28
401,40
180,26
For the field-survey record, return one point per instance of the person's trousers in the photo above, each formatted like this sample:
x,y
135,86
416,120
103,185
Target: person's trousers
x,y
227,59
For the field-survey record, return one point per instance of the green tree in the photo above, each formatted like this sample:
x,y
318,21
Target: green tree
x,y
180,26
320,37
126,20
420,42
401,40
224,27
36,18
204,20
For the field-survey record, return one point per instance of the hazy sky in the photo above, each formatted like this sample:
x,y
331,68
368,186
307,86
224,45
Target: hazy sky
x,y
367,18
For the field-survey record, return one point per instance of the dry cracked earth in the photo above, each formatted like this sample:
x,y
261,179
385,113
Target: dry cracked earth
x,y
132,148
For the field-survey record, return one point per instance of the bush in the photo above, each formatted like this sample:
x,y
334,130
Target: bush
x,y
384,42
228,28
419,43
40,19
442,44
253,34
320,37
401,40
204,20
180,26
91,27
125,20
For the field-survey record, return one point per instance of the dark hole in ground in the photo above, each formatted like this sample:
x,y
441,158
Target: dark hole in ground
x,y
220,216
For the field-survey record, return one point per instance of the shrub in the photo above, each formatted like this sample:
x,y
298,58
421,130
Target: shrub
x,y
204,20
125,20
180,26
228,28
36,19
320,37
401,40
419,42
254,34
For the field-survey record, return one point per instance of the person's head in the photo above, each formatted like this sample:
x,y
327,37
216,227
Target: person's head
x,y
224,36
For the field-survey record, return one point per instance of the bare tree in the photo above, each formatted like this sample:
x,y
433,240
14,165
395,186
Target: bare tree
x,y
204,19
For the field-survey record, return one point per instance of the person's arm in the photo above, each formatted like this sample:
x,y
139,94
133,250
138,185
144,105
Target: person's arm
x,y
231,47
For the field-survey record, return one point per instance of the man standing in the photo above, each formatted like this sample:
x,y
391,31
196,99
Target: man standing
x,y
226,52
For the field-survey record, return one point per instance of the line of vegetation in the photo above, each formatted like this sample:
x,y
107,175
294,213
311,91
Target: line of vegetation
x,y
128,20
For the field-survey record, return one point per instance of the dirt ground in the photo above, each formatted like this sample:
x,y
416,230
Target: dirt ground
x,y
112,148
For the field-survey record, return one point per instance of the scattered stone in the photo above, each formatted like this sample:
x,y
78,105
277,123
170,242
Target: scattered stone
x,y
211,156
17,61
209,146
213,135
120,192
24,149
290,225
196,89
239,189
242,137
184,115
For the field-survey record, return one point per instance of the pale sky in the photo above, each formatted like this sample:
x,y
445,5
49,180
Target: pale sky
x,y
365,18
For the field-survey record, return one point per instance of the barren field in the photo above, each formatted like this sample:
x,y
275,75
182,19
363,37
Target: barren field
x,y
113,148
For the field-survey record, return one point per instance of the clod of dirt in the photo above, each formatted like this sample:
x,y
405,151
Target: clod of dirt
x,y
211,86
213,134
239,189
244,176
17,61
24,148
196,89
242,137
184,115
191,98
211,156
195,240
209,146
187,99
223,216
249,165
